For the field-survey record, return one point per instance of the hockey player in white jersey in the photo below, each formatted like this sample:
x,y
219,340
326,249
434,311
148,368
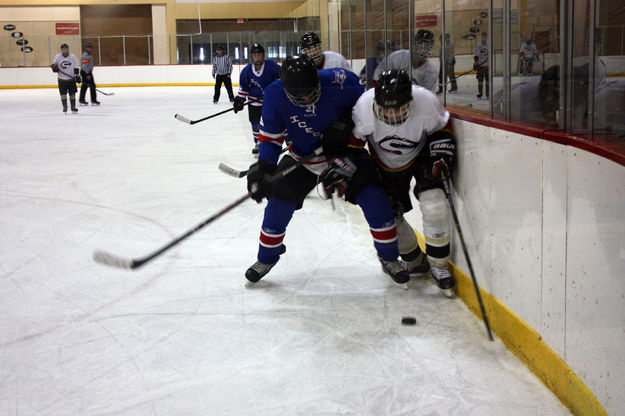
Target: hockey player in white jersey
x,y
424,73
405,128
66,66
311,46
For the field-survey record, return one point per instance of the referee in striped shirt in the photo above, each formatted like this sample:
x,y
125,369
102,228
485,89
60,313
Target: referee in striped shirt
x,y
222,68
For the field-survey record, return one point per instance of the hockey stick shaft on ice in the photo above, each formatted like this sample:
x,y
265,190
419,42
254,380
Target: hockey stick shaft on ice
x,y
238,173
466,255
108,259
105,93
188,121
72,76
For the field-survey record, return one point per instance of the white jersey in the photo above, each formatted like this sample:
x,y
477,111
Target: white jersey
x,y
481,51
528,51
67,65
335,60
426,75
396,147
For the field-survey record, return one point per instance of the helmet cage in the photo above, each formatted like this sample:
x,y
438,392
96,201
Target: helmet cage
x,y
314,52
302,98
422,49
393,116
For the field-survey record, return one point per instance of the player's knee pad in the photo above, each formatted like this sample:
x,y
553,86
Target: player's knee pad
x,y
407,239
435,210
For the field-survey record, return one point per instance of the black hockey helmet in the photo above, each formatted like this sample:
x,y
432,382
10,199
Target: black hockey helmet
x,y
383,48
258,48
310,39
311,45
423,44
393,97
64,46
300,80
389,45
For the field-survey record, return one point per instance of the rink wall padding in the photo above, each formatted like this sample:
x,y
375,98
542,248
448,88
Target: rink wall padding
x,y
542,215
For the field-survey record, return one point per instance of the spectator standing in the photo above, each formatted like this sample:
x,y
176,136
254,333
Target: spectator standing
x,y
447,48
480,64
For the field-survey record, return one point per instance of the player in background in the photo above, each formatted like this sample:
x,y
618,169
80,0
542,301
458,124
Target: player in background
x,y
314,107
528,55
254,78
66,66
480,64
311,46
382,50
424,73
405,128
86,72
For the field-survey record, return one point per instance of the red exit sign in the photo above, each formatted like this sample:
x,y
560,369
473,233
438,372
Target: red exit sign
x,y
426,20
68,28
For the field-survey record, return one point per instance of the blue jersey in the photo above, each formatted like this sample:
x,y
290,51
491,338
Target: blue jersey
x,y
340,89
252,84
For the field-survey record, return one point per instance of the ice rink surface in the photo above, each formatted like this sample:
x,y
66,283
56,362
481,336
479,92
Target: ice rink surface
x,y
320,335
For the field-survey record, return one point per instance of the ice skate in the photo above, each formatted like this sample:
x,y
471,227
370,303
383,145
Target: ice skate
x,y
95,103
443,279
83,103
65,109
74,110
395,269
258,270
417,267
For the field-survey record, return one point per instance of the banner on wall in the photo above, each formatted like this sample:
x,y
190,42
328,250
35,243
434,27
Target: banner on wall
x,y
426,20
68,28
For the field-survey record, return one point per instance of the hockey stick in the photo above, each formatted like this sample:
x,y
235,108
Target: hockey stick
x,y
108,259
186,120
466,255
101,92
104,93
239,173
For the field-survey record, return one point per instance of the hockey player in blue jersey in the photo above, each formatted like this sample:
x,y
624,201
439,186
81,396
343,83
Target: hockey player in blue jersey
x,y
314,109
253,80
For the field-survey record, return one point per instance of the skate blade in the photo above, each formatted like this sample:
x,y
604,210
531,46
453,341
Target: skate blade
x,y
448,293
403,286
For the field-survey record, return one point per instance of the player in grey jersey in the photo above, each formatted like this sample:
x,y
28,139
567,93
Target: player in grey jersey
x,y
423,71
405,127
86,71
311,46
65,65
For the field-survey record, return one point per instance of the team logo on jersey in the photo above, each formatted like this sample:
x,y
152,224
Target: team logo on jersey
x,y
254,82
339,78
397,145
66,64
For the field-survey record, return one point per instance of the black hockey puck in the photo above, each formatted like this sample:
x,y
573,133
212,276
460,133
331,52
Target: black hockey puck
x,y
408,320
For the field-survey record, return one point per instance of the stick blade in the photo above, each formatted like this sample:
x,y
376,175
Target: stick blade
x,y
182,118
111,260
230,171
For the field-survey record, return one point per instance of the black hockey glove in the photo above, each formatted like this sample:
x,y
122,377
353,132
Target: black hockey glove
x,y
335,137
77,79
442,154
337,176
257,176
238,104
55,68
